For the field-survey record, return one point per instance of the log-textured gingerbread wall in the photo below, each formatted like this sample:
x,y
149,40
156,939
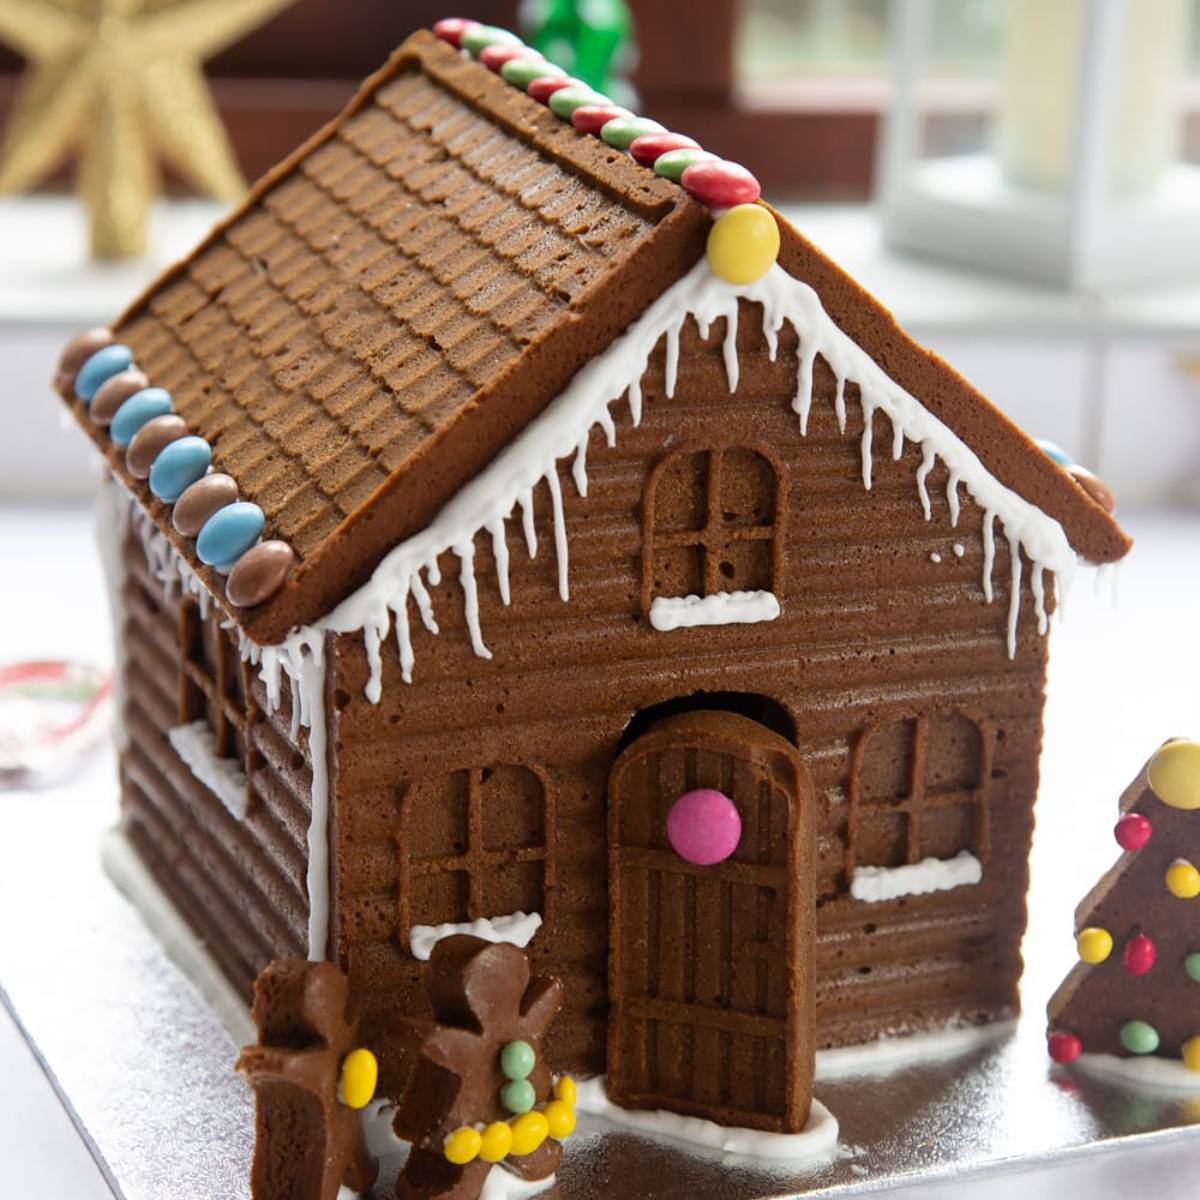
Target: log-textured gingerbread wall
x,y
445,793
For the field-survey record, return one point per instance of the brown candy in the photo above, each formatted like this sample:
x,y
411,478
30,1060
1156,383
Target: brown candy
x,y
112,393
307,1143
149,440
482,998
76,352
259,573
1094,486
200,501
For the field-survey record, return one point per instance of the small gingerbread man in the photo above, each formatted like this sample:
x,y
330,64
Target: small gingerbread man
x,y
308,1141
479,1064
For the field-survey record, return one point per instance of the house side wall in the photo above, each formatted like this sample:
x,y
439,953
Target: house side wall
x,y
873,634
240,883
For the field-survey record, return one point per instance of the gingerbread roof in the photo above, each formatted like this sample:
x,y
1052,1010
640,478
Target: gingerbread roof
x,y
398,300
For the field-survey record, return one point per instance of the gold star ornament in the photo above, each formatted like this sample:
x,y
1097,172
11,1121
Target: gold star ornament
x,y
118,85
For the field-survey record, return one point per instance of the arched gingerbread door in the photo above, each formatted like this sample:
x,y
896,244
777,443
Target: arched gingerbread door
x,y
711,963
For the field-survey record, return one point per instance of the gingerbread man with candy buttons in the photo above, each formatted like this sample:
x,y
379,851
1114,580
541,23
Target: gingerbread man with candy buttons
x,y
481,1094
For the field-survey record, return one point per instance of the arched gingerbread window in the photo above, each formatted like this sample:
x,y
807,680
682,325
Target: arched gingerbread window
x,y
712,524
476,842
918,790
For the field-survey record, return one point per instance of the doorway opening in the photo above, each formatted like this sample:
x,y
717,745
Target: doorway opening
x,y
758,708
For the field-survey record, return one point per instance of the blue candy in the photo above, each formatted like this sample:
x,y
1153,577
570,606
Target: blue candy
x,y
141,407
229,533
1054,452
178,465
103,365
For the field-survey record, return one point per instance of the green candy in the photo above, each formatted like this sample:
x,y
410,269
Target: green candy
x,y
566,100
521,72
1191,965
1139,1038
518,1096
480,36
621,131
517,1059
673,164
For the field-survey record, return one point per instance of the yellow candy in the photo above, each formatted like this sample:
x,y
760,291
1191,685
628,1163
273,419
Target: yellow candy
x,y
1183,880
565,1089
1094,945
529,1131
497,1142
560,1118
743,244
462,1146
360,1072
1175,774
1191,1054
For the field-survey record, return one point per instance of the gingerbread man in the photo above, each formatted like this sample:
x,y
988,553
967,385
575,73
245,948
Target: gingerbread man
x,y
308,1141
475,1094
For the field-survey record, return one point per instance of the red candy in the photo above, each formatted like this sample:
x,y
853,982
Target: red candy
x,y
494,57
647,148
1064,1047
451,29
544,86
720,184
1133,831
1139,954
591,118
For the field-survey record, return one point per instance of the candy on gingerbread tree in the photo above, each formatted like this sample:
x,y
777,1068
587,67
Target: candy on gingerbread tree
x,y
1136,989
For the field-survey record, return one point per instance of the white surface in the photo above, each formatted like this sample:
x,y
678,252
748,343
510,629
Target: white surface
x,y
717,608
1150,1071
875,884
817,1140
1130,675
196,744
517,928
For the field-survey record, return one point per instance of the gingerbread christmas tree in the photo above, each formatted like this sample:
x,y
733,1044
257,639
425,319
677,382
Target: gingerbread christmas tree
x,y
1136,989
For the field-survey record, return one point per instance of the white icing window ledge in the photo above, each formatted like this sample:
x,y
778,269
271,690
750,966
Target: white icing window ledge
x,y
717,608
876,884
517,928
196,744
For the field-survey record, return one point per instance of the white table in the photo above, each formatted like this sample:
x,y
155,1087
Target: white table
x,y
1121,681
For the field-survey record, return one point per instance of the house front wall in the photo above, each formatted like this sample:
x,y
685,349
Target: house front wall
x,y
479,788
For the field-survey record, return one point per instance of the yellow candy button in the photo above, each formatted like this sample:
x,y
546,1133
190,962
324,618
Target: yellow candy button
x,y
1191,1054
560,1118
1183,880
565,1089
496,1142
360,1073
1094,945
743,244
1174,774
463,1146
529,1131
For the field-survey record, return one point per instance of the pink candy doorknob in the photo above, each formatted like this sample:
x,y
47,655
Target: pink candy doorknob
x,y
704,827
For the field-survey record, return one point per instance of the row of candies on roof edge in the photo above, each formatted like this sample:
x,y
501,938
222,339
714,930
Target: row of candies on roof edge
x,y
100,371
744,240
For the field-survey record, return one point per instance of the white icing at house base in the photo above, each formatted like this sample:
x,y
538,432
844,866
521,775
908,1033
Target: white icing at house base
x,y
196,744
517,928
873,884
1145,1071
717,608
817,1139
897,1051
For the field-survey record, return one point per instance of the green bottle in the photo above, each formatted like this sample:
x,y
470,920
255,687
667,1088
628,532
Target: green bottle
x,y
588,38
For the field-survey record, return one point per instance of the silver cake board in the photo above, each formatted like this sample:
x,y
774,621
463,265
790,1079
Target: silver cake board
x,y
143,1063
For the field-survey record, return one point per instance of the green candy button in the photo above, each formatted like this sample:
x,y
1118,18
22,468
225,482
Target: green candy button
x,y
518,1096
480,36
517,1059
1191,965
1139,1038
673,164
621,131
521,72
566,100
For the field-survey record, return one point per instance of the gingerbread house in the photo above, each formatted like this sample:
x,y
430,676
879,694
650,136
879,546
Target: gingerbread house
x,y
564,525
